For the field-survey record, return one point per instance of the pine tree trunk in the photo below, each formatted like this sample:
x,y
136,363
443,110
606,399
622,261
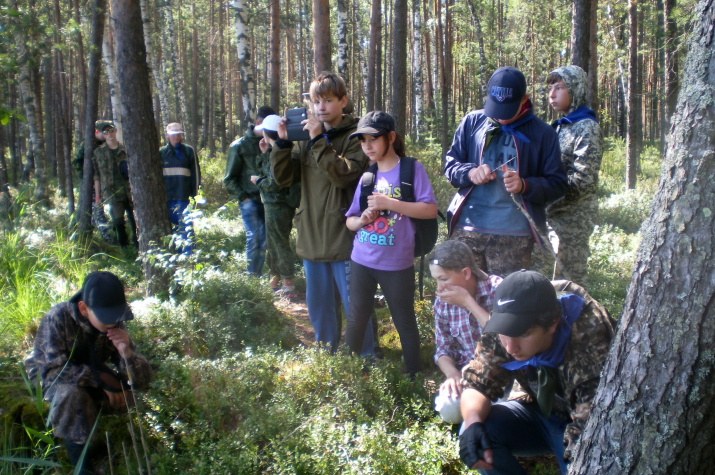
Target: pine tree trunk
x,y
671,59
275,58
321,37
399,66
632,114
373,55
91,105
173,53
581,34
141,138
654,411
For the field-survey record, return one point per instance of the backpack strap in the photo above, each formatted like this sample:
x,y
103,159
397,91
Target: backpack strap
x,y
368,185
407,178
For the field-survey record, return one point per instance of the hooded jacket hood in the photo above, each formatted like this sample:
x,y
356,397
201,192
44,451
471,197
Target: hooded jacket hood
x,y
576,82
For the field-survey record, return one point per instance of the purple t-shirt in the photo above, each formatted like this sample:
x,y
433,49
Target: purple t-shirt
x,y
388,243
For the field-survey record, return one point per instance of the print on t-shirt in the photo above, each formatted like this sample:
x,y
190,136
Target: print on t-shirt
x,y
380,232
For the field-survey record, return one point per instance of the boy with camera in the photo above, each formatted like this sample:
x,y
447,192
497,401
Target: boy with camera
x,y
330,165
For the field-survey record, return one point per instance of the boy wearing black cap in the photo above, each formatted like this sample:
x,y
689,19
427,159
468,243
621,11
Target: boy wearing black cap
x,y
500,156
75,342
553,338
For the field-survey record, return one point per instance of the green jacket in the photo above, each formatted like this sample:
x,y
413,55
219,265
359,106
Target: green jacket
x,y
330,166
241,163
272,192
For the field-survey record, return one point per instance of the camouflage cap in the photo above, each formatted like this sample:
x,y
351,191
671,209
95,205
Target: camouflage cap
x,y
102,124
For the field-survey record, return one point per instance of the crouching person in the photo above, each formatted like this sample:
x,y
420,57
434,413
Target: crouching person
x,y
77,344
463,301
553,338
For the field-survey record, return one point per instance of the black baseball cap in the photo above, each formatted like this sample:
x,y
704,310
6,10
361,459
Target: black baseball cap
x,y
518,301
375,123
103,292
505,90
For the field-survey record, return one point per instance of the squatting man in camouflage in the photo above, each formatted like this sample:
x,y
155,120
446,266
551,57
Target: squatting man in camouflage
x,y
84,359
553,338
572,217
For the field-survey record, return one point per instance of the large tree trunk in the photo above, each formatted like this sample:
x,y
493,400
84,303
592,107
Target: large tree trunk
x,y
581,34
141,138
399,66
654,411
85,194
275,58
321,36
671,59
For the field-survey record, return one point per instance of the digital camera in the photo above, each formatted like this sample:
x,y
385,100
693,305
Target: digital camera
x,y
294,127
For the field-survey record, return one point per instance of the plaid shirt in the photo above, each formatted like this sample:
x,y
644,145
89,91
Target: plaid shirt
x,y
457,331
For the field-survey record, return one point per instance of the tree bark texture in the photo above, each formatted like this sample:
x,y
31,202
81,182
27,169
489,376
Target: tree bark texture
x,y
671,59
243,47
417,71
343,39
654,411
399,66
141,139
275,58
581,34
632,113
91,104
321,36
111,71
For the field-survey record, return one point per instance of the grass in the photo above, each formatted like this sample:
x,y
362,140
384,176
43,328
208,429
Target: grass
x,y
234,392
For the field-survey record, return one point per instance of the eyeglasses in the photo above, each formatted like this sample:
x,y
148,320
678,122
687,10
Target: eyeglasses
x,y
108,131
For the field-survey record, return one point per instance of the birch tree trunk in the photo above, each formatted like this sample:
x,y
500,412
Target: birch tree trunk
x,y
33,124
142,140
371,88
631,116
654,411
243,49
111,70
417,70
343,38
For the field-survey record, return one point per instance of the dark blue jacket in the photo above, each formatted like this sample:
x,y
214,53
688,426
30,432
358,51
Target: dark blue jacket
x,y
182,176
538,162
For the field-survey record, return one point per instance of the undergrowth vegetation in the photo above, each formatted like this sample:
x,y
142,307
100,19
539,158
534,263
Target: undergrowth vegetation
x,y
234,390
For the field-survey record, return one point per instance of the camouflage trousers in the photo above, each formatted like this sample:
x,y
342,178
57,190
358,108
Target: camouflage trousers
x,y
497,254
73,411
279,223
574,231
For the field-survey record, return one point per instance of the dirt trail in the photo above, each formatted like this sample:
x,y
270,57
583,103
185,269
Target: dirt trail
x,y
297,311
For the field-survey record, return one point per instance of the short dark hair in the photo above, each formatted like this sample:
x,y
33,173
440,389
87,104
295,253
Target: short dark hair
x,y
264,112
546,319
271,134
553,78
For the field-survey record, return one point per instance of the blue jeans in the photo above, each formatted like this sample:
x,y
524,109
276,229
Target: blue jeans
x,y
321,279
255,225
517,429
180,224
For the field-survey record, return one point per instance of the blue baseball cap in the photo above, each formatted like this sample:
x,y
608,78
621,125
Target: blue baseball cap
x,y
505,90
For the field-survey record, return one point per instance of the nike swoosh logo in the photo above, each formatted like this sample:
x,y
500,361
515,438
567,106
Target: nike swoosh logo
x,y
504,302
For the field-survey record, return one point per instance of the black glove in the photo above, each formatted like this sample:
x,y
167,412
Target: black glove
x,y
472,444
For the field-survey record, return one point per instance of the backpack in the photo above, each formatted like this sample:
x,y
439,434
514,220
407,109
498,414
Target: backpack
x,y
426,230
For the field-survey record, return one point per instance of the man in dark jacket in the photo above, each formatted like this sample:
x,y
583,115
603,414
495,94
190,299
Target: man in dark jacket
x,y
182,178
84,359
506,164
241,164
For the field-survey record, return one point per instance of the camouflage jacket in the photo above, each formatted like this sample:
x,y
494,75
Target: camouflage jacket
x,y
69,350
578,374
241,163
581,146
110,168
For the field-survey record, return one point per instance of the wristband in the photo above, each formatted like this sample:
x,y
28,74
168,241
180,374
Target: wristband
x,y
523,187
